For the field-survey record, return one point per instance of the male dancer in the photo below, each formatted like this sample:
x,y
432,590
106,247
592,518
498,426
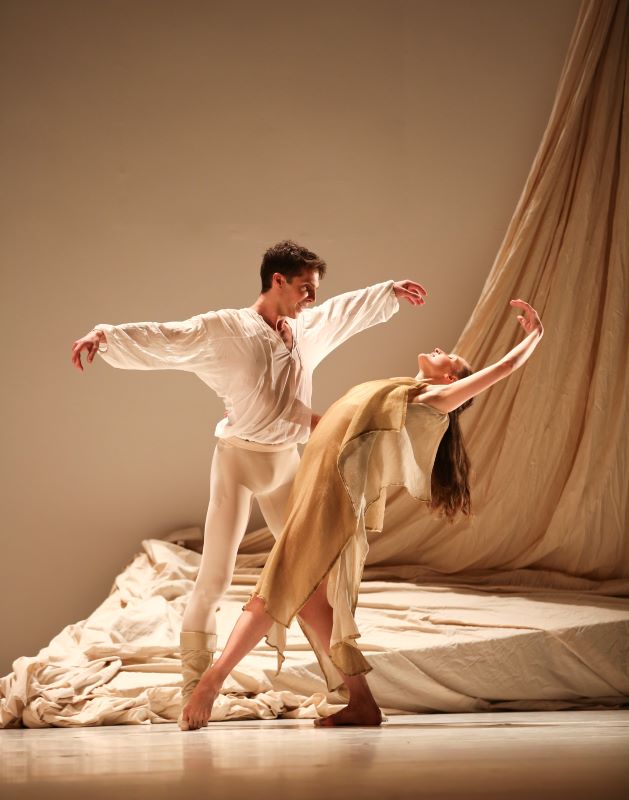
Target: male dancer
x,y
259,360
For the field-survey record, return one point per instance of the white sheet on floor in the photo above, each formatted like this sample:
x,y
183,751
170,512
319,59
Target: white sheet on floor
x,y
433,648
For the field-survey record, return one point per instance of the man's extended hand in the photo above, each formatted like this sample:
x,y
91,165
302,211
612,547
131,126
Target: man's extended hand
x,y
411,291
89,343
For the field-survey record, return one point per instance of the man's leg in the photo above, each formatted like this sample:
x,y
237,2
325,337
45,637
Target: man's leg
x,y
225,525
274,503
250,627
226,521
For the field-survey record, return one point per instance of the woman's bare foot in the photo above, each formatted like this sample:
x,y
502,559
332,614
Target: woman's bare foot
x,y
198,709
357,714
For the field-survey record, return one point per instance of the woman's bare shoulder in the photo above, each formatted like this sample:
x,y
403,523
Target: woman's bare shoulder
x,y
431,396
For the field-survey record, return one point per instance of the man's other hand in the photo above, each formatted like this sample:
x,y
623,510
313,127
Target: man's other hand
x,y
412,292
90,344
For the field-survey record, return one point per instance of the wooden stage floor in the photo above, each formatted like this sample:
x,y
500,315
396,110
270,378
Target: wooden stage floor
x,y
508,756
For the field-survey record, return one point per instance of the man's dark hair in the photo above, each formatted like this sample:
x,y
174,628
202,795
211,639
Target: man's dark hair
x,y
289,259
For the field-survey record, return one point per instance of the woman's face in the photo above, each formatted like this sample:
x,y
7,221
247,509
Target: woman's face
x,y
438,365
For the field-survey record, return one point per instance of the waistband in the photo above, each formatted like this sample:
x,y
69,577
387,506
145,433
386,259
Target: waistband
x,y
258,447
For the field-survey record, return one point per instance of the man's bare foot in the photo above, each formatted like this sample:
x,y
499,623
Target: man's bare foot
x,y
198,709
364,716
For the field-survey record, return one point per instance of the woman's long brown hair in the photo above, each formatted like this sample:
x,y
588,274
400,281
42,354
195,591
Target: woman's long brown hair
x,y
450,487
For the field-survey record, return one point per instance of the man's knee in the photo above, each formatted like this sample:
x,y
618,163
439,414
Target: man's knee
x,y
210,594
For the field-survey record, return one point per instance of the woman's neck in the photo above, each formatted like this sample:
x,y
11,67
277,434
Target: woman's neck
x,y
432,381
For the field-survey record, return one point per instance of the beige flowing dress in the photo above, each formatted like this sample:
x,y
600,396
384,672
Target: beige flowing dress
x,y
369,439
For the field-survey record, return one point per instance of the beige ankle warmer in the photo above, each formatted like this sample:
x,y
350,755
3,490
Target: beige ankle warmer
x,y
197,651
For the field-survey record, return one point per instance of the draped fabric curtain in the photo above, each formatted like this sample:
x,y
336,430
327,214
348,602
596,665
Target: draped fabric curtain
x,y
549,446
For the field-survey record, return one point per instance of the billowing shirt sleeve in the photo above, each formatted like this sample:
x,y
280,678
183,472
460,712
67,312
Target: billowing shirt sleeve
x,y
182,345
329,325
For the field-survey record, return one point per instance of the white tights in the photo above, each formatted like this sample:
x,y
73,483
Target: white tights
x,y
238,475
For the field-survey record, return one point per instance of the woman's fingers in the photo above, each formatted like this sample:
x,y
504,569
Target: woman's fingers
x,y
529,319
528,310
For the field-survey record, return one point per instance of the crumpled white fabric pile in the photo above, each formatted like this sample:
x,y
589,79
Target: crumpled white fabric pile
x,y
432,648
121,665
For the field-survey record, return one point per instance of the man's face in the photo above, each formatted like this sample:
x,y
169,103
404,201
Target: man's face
x,y
298,293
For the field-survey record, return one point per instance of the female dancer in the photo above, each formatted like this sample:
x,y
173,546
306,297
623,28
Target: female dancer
x,y
365,442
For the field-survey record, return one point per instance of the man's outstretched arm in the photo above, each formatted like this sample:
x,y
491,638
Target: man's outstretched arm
x,y
150,345
329,325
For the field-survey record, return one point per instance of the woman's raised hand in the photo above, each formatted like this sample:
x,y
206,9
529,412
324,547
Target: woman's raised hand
x,y
90,343
529,318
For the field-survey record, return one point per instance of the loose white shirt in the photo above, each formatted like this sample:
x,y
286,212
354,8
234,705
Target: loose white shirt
x,y
266,388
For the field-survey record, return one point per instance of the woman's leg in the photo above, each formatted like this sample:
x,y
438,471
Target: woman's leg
x,y
362,708
251,626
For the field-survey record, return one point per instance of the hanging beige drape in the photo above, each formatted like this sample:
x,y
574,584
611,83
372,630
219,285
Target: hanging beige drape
x,y
549,446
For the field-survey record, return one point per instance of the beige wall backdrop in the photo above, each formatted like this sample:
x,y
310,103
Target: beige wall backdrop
x,y
151,151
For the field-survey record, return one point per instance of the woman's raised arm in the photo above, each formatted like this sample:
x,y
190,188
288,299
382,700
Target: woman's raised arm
x,y
449,396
